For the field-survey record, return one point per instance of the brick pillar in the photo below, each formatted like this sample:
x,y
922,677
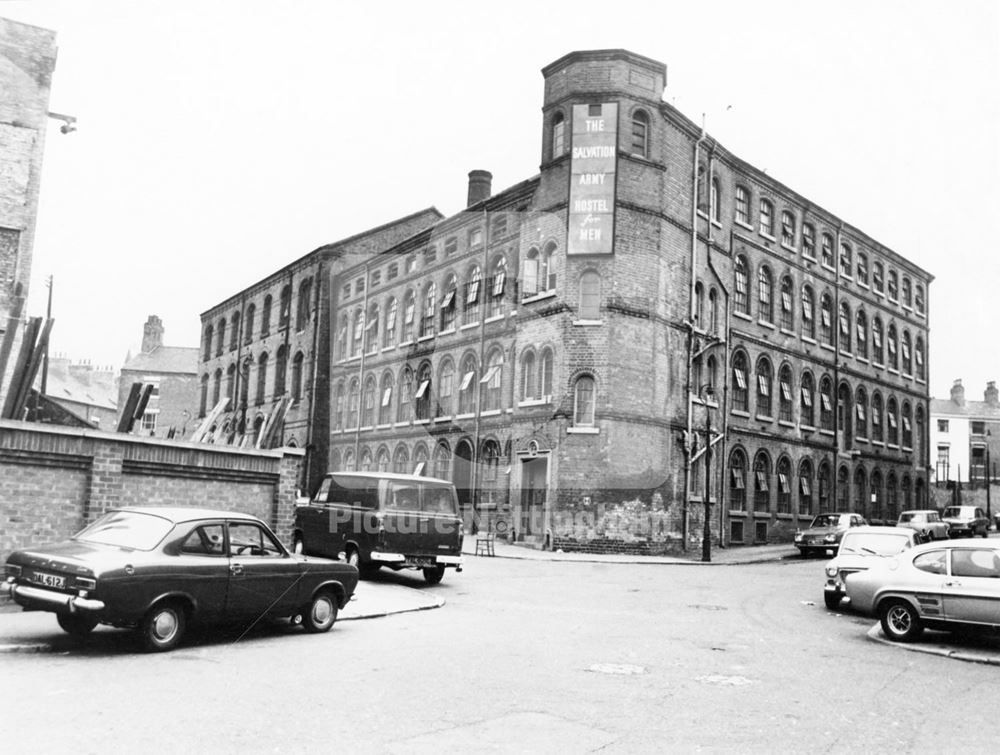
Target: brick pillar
x,y
105,489
289,471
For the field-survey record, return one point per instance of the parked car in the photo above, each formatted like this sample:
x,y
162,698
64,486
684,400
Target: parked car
x,y
966,521
824,533
860,548
160,569
927,522
376,519
935,585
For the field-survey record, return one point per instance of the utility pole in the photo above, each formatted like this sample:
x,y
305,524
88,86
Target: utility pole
x,y
706,535
45,356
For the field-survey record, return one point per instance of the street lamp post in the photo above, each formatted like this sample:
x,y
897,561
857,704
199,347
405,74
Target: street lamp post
x,y
706,393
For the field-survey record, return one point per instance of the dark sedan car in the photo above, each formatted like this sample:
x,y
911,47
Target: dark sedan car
x,y
159,569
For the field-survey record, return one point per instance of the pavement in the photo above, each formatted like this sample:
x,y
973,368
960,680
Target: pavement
x,y
36,631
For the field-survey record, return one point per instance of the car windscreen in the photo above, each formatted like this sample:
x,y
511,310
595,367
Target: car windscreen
x,y
875,543
911,518
957,512
826,520
126,529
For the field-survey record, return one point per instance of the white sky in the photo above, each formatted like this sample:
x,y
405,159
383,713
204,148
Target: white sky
x,y
218,141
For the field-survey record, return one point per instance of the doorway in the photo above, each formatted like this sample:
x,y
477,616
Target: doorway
x,y
534,493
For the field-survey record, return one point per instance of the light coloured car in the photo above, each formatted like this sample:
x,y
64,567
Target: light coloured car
x,y
824,532
860,548
955,584
927,522
966,521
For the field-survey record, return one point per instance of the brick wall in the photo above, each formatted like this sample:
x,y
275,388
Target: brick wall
x,y
54,480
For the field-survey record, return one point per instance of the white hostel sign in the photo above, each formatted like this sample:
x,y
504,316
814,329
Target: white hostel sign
x,y
592,179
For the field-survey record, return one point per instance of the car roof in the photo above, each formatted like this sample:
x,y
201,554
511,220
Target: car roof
x,y
959,545
919,511
391,476
178,514
883,529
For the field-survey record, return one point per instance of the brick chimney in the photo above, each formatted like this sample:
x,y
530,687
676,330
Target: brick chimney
x,y
152,334
958,393
991,395
480,186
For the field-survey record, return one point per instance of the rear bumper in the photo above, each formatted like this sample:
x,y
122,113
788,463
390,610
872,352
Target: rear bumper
x,y
400,559
49,600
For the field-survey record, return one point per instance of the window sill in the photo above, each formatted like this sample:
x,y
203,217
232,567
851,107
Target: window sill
x,y
741,224
878,443
470,325
583,430
893,371
807,339
469,415
367,428
785,515
448,332
789,247
808,257
786,332
892,446
878,293
355,358
717,223
534,402
588,323
826,346
494,318
763,418
421,339
538,296
826,432
768,236
743,316
828,268
491,413
846,276
405,343
863,359
421,422
863,284
765,324
740,413
387,426
786,423
809,428
404,423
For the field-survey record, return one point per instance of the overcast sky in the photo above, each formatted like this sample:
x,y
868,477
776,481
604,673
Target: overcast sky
x,y
218,141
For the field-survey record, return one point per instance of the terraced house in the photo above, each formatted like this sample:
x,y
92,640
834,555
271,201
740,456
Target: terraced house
x,y
565,349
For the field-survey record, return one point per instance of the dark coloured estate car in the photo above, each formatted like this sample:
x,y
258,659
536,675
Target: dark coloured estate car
x,y
825,532
160,569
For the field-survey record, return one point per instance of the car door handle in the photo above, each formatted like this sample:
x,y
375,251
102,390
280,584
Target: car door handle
x,y
236,569
952,583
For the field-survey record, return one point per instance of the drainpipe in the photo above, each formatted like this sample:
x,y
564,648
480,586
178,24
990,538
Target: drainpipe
x,y
474,471
361,374
835,400
691,329
313,408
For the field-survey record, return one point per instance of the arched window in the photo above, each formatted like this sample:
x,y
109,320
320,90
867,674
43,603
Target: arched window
x,y
467,388
280,370
742,205
765,303
473,284
498,285
422,396
338,406
741,299
785,393
209,334
530,284
784,472
285,308
788,229
846,260
713,311
220,340
807,404
428,310
845,327
366,460
590,296
234,338
529,377
409,316
875,496
714,200
907,492
265,316
741,394
878,349
787,305
891,497
231,385
808,241
918,442
385,399
823,484
826,250
382,460
389,327
764,380
738,480
892,421
340,348
401,460
353,403
892,286
699,304
368,402
826,403
808,313
918,357
261,377
297,376
919,298
861,412
448,303
862,333
767,217
558,134
545,371
877,424
761,482
304,305
907,292
349,460
248,323
861,491
420,460
826,317
358,332
906,349
446,388
843,489
892,345
202,410
583,401
905,419
371,329
805,488
492,380
442,461
640,133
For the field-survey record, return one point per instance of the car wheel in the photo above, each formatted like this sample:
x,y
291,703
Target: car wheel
x,y
433,574
162,627
76,625
297,545
900,621
832,599
321,613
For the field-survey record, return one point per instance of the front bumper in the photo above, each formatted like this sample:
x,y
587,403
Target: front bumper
x,y
49,600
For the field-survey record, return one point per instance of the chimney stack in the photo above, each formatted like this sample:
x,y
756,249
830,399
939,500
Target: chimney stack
x,y
480,186
152,334
958,393
991,394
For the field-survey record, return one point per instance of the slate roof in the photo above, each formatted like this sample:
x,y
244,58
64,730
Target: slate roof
x,y
163,359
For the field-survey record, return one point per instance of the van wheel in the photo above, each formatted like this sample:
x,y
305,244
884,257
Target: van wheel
x,y
433,574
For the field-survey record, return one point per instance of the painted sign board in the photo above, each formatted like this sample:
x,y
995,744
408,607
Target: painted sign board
x,y
592,179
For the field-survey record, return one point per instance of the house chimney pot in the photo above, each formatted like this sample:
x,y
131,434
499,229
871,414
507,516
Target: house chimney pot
x,y
480,186
958,393
991,394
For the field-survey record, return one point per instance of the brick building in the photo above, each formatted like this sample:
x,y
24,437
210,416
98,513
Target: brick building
x,y
551,348
27,60
965,437
173,373
270,342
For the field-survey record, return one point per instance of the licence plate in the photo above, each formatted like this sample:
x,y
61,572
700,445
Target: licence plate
x,y
49,580
424,562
